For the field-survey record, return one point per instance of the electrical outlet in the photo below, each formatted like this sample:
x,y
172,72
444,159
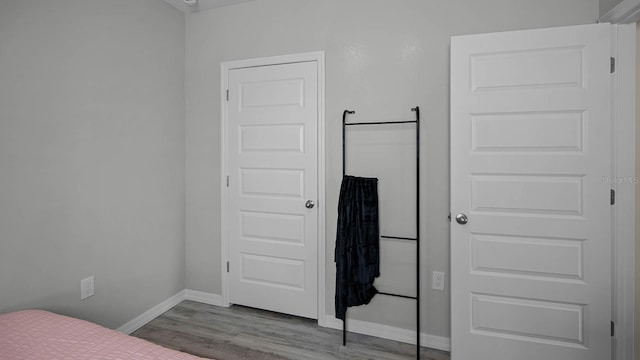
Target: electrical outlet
x,y
86,287
437,280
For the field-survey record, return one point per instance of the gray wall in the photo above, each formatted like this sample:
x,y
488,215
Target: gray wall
x,y
382,57
91,155
606,5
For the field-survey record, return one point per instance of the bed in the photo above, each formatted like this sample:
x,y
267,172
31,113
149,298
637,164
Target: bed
x,y
38,334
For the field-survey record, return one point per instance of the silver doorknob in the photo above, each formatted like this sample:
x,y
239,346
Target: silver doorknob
x,y
309,204
462,219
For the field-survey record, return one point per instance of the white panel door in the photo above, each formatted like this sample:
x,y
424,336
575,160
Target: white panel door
x,y
530,149
272,159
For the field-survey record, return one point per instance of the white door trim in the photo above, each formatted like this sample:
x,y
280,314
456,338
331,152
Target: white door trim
x,y
225,67
624,183
627,11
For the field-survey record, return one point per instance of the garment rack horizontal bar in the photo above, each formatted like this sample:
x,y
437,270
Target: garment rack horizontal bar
x,y
399,238
397,295
382,122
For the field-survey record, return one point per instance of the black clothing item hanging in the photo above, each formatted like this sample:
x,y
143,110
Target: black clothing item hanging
x,y
357,253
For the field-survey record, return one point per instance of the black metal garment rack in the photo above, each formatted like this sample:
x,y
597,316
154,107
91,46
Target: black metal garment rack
x,y
417,238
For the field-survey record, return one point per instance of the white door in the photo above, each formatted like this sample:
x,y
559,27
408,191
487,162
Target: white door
x,y
272,117
530,152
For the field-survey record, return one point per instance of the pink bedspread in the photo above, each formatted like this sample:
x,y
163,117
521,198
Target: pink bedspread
x,y
41,335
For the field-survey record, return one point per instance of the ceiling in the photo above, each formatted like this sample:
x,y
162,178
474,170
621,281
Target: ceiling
x,y
203,4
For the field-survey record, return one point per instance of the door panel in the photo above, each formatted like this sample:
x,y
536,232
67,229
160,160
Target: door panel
x,y
530,145
272,143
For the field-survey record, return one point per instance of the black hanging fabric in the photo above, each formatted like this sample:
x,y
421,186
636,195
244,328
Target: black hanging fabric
x,y
357,253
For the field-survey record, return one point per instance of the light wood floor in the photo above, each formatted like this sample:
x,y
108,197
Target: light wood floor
x,y
244,333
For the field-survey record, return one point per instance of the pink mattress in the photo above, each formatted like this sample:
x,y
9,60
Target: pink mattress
x,y
40,335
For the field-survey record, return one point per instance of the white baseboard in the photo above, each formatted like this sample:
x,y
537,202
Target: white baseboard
x,y
194,295
390,332
435,342
203,297
142,319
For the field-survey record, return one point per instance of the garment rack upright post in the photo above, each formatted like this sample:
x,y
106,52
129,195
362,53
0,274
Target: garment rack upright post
x,y
416,110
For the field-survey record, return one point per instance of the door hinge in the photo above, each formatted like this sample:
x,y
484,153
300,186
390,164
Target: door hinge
x,y
227,180
613,197
613,329
228,93
227,266
613,64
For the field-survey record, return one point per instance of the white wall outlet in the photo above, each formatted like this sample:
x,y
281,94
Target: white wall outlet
x,y
86,287
437,280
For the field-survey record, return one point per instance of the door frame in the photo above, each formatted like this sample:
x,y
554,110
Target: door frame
x,y
623,223
627,11
225,67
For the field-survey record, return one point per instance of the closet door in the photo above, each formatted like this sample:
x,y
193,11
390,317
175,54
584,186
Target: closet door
x,y
531,214
272,117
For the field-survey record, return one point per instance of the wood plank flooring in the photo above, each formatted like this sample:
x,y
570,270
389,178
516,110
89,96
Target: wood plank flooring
x,y
238,332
